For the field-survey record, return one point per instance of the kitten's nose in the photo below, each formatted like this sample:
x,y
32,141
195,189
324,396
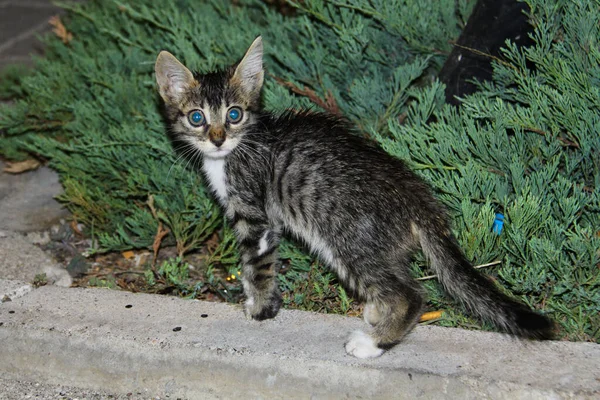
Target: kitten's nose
x,y
218,141
216,135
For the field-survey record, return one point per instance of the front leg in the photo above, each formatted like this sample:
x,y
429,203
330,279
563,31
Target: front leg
x,y
260,264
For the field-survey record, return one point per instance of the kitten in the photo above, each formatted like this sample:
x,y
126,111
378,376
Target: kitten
x,y
361,211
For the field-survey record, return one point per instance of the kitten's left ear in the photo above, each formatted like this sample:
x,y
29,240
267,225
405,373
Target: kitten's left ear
x,y
249,72
173,77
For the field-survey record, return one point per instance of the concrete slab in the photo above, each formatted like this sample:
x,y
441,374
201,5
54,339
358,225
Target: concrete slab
x,y
98,338
20,260
27,200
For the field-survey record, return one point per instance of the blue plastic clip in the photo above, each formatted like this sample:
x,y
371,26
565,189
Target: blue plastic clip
x,y
498,224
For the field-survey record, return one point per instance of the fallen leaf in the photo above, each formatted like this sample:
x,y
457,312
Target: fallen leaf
x,y
128,254
60,30
75,227
21,166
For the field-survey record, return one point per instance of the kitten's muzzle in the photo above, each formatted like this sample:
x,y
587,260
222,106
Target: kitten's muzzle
x,y
216,134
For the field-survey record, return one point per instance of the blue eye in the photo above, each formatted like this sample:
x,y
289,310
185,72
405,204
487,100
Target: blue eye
x,y
234,114
196,118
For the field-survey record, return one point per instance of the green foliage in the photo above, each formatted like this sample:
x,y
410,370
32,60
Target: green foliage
x,y
40,280
10,81
526,144
174,271
173,276
307,285
109,282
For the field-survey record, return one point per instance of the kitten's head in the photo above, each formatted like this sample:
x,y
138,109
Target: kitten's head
x,y
211,112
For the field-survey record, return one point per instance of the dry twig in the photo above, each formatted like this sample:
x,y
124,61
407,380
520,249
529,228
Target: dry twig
x,y
424,278
160,232
329,104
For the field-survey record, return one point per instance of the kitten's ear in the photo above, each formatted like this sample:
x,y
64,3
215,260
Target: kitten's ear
x,y
173,77
249,72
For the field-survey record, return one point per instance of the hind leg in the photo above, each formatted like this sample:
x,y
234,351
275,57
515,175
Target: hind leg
x,y
393,308
371,314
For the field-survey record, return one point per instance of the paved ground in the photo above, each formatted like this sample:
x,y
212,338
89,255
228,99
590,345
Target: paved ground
x,y
65,343
27,201
20,22
159,346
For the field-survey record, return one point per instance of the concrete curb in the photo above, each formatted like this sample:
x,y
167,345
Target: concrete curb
x,y
155,345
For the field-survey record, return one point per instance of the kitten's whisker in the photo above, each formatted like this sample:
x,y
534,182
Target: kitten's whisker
x,y
193,158
247,156
252,153
260,146
254,133
181,156
189,148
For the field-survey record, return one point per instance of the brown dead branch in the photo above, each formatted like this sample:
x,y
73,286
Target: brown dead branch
x,y
565,141
161,232
329,104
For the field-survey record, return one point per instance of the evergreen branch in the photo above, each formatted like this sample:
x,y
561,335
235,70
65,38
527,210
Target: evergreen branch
x,y
313,41
318,16
142,17
75,9
382,19
126,41
424,278
369,13
388,111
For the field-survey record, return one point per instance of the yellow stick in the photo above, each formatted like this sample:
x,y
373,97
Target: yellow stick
x,y
428,316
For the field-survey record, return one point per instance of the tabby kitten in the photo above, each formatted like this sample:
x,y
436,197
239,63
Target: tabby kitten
x,y
361,211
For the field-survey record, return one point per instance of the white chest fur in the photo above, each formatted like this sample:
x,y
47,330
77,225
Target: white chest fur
x,y
214,168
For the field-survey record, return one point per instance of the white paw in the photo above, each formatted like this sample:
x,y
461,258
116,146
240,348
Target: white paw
x,y
362,345
248,305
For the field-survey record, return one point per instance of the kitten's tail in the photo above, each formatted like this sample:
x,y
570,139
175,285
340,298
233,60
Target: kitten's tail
x,y
476,292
